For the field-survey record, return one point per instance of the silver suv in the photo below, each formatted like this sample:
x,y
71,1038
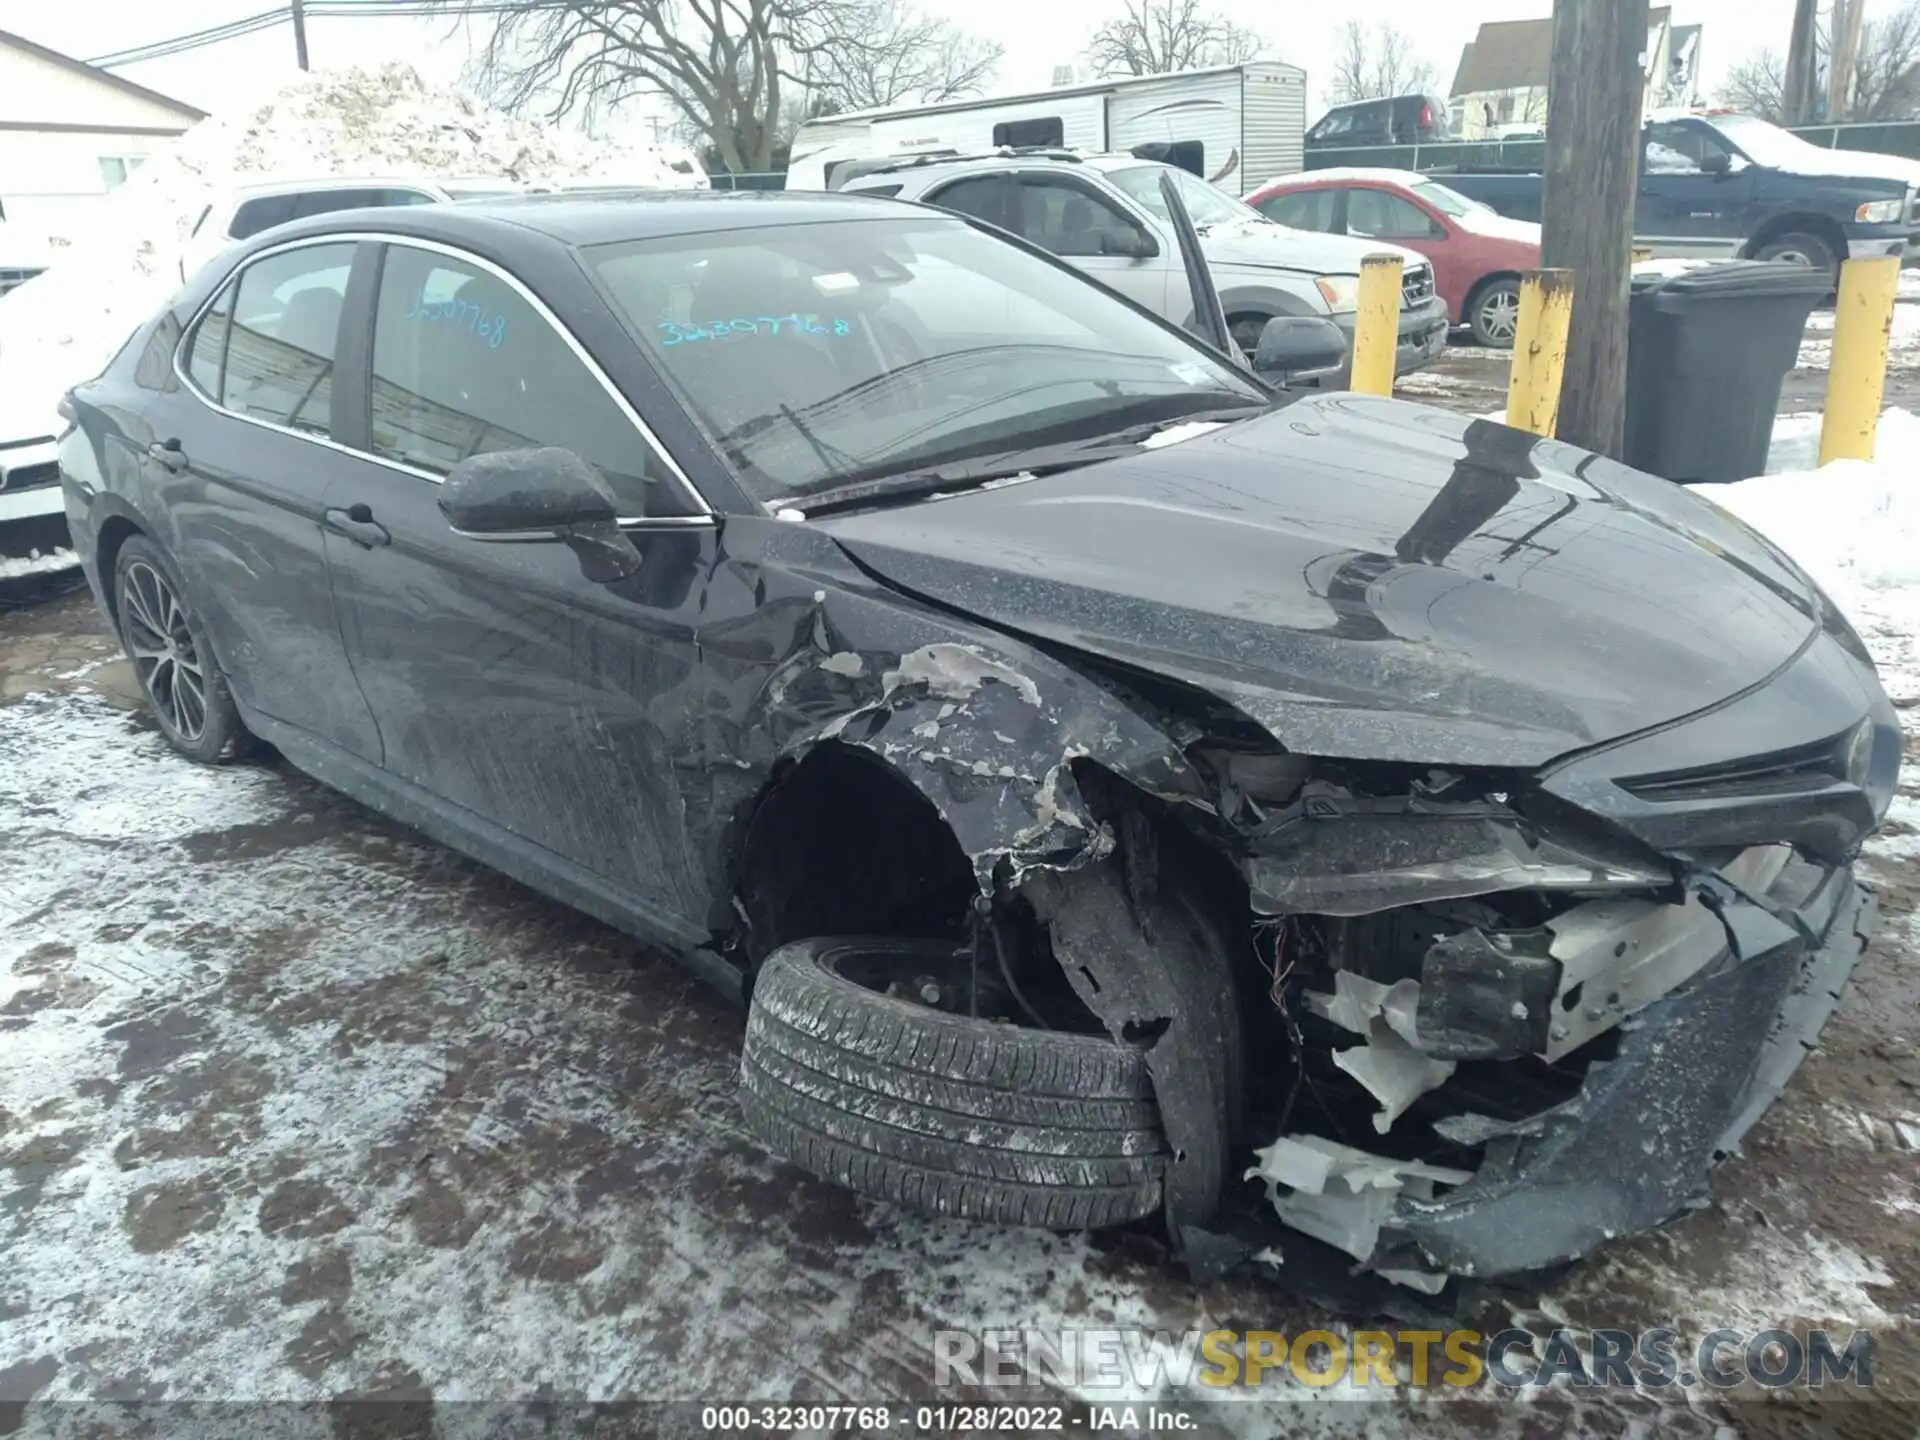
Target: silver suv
x,y
1105,216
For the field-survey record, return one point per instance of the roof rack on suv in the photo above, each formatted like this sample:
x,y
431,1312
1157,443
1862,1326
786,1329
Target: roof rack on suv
x,y
1003,152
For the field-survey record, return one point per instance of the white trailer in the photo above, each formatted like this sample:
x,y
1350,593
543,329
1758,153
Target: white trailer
x,y
1235,125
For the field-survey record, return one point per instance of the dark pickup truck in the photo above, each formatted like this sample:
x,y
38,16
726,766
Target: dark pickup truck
x,y
1725,185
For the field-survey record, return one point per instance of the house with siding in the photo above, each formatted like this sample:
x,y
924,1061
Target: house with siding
x,y
70,133
1501,84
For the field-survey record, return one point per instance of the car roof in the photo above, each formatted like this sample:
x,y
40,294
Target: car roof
x,y
606,217
1379,175
907,166
300,185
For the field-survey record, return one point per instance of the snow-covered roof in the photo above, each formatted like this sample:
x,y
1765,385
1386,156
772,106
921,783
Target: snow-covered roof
x,y
1379,175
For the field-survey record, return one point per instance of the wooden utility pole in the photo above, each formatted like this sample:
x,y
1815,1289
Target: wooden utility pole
x,y
1803,63
1849,20
1594,95
300,33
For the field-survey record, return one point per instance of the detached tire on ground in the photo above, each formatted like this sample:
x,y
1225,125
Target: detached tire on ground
x,y
942,1112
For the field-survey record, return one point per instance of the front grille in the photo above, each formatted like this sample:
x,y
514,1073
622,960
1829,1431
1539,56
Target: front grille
x,y
29,477
1784,772
1416,286
1913,211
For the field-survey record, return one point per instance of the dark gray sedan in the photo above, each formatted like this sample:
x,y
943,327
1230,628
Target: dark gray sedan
x,y
1104,775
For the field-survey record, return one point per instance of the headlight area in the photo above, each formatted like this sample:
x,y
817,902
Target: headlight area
x,y
1341,292
1510,1033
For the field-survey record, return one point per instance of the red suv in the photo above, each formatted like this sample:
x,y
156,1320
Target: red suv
x,y
1478,256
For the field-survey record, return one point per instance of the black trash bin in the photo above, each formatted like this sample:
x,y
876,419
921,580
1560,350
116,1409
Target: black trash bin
x,y
1707,352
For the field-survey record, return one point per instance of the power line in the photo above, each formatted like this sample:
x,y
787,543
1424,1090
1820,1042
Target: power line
x,y
307,9
194,40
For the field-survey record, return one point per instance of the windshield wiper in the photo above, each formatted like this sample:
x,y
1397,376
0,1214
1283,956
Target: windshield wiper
x,y
1006,464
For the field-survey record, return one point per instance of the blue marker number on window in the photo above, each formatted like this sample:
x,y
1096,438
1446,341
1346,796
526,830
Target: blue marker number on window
x,y
672,333
477,320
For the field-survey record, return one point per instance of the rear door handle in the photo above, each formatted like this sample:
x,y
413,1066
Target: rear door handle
x,y
169,454
356,522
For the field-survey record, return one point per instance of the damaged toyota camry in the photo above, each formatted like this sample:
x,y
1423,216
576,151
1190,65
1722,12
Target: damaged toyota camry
x,y
1117,788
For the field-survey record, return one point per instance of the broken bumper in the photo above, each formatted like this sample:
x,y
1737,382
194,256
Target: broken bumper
x,y
1693,1071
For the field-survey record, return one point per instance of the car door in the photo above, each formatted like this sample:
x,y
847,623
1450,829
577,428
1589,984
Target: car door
x,y
1091,232
1320,209
241,465
1073,220
540,710
1695,193
1376,213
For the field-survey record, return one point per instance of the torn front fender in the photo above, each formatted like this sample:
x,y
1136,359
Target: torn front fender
x,y
987,728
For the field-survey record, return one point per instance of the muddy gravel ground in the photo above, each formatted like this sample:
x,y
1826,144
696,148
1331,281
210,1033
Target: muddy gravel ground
x,y
295,1104
1473,379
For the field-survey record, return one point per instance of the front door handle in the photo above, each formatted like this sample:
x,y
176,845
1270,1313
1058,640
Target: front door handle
x,y
356,522
169,454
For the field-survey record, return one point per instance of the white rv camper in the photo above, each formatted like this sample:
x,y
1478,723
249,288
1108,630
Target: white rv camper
x,y
1235,125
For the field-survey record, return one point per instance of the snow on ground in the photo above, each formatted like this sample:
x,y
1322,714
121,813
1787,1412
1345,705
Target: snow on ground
x,y
14,567
1903,341
1854,526
63,325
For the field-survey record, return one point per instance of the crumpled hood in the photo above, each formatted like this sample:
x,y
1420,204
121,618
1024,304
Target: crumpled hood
x,y
1263,243
1372,579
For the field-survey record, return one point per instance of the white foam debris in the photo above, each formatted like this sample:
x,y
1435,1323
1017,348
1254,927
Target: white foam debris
x,y
1342,1196
1393,1072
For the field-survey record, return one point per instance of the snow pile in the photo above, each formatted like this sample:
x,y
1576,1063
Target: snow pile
x,y
1854,526
61,327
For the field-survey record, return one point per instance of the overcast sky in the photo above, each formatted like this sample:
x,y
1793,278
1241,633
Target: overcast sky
x,y
1036,36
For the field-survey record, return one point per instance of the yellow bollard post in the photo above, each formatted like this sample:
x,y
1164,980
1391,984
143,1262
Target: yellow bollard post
x,y
1540,351
1376,328
1858,380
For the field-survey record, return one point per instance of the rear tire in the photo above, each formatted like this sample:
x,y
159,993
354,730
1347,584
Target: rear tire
x,y
942,1112
172,658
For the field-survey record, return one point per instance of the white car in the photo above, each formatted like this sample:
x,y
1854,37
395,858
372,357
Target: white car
x,y
1104,215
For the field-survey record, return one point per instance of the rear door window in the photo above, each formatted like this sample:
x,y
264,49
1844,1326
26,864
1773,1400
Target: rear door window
x,y
261,213
265,349
1382,215
1304,209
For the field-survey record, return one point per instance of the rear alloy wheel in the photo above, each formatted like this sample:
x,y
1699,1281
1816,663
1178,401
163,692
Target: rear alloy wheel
x,y
1495,314
857,1067
171,658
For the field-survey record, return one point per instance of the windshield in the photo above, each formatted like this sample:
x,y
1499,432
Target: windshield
x,y
1764,144
1206,205
820,354
1447,202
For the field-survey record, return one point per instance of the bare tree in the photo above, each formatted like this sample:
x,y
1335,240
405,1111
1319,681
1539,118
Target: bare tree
x,y
1153,37
731,69
1886,74
890,53
1885,80
1371,65
1758,86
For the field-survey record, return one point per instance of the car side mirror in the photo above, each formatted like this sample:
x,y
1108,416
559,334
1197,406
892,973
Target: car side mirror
x,y
1718,163
1132,244
1299,345
542,494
